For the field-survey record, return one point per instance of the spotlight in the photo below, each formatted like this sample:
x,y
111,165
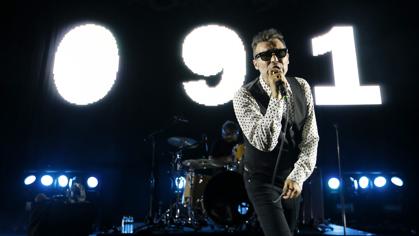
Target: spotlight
x,y
363,182
355,183
30,179
380,181
62,181
243,208
92,182
333,183
180,182
397,181
46,180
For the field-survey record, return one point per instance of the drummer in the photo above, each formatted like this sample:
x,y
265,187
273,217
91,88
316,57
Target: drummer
x,y
224,152
230,147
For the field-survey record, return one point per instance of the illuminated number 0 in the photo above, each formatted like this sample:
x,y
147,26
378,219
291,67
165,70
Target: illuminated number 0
x,y
347,89
210,50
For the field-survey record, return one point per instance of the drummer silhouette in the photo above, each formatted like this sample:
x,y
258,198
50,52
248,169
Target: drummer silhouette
x,y
228,148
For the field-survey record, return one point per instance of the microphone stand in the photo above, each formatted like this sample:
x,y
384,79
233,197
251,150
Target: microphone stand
x,y
342,198
152,179
205,143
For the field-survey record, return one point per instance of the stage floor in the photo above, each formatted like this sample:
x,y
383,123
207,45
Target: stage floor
x,y
330,229
142,230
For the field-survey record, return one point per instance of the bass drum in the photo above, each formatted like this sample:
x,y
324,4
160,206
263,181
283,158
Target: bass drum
x,y
226,201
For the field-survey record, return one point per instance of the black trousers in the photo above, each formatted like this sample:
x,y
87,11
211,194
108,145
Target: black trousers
x,y
276,218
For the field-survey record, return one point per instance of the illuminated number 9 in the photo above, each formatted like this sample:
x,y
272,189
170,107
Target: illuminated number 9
x,y
347,89
210,50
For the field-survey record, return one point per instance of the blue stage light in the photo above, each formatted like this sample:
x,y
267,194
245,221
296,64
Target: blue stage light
x,y
355,183
380,181
62,181
180,182
243,208
47,180
333,183
364,182
397,181
30,179
92,182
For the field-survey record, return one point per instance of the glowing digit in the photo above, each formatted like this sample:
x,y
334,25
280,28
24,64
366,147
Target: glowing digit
x,y
210,50
347,89
86,64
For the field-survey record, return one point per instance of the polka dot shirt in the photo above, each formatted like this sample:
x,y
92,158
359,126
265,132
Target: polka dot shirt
x,y
262,131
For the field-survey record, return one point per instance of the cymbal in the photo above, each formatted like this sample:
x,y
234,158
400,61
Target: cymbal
x,y
202,164
181,142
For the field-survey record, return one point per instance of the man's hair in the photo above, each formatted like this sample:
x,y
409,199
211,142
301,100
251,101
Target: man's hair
x,y
265,36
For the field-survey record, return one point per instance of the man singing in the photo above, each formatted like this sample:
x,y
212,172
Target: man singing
x,y
276,115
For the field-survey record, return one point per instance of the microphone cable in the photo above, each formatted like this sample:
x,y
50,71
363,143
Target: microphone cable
x,y
283,136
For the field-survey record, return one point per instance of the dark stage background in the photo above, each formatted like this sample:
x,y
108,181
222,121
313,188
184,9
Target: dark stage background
x,y
39,130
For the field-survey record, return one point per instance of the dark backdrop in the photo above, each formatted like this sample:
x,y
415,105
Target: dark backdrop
x,y
39,130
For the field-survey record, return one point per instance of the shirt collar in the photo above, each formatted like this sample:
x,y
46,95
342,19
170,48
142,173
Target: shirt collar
x,y
265,86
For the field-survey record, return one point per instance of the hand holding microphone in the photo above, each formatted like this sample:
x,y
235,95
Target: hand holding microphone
x,y
277,82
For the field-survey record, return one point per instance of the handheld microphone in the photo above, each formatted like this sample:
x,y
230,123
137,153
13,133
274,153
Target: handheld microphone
x,y
281,88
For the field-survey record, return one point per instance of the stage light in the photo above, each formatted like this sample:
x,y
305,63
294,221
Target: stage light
x,y
347,90
86,64
243,208
62,181
92,182
355,182
223,54
180,182
47,180
397,181
29,179
333,183
380,181
364,182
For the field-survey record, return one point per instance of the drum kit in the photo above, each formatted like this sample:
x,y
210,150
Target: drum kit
x,y
208,192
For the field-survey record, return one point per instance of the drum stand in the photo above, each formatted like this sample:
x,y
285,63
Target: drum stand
x,y
177,167
182,214
191,213
192,217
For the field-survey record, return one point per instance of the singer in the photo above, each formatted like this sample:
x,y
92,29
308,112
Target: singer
x,y
276,115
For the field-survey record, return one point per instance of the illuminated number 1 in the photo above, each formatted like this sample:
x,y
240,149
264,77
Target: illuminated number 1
x,y
347,90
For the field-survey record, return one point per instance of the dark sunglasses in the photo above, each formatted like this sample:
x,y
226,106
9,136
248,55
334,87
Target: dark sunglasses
x,y
267,55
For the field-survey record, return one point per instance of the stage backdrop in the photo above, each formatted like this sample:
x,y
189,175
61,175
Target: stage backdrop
x,y
40,130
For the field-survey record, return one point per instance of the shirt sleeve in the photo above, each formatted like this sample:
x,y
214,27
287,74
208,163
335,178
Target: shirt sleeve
x,y
306,162
262,131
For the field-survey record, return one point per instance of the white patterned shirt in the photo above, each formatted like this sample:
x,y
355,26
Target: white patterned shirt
x,y
262,131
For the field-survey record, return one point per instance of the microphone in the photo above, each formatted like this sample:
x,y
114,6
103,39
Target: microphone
x,y
180,119
281,88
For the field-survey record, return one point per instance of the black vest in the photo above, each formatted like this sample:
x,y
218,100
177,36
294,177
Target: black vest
x,y
263,163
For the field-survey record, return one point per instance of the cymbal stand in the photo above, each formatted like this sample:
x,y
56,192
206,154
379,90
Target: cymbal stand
x,y
176,173
152,179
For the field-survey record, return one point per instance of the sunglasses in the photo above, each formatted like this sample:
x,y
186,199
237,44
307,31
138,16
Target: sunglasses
x,y
267,55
